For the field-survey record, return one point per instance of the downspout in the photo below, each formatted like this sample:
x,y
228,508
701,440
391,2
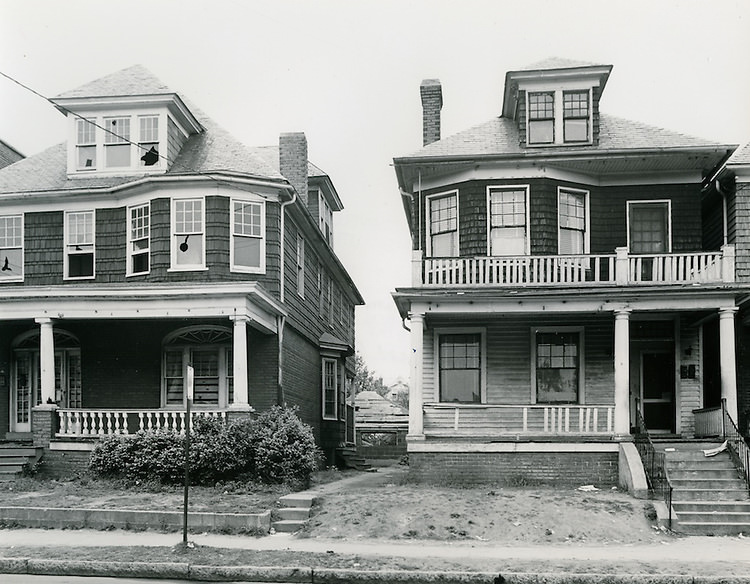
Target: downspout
x,y
724,210
280,319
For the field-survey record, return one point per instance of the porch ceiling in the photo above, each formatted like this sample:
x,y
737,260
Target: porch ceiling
x,y
143,302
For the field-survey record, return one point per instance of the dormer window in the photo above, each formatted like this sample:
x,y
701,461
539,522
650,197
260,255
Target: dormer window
x,y
558,117
85,145
542,118
148,147
117,142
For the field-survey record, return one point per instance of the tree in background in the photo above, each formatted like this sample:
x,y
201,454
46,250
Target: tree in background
x,y
365,380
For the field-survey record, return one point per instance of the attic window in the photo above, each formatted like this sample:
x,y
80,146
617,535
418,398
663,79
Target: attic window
x,y
148,147
542,118
85,145
575,116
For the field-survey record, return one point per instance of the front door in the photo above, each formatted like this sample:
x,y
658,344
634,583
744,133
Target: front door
x,y
658,391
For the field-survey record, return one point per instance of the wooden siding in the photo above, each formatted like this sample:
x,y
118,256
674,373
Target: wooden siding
x,y
111,261
175,139
689,392
508,353
608,214
596,93
741,223
43,242
712,215
521,117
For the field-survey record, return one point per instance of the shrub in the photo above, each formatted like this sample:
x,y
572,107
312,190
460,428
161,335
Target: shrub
x,y
275,447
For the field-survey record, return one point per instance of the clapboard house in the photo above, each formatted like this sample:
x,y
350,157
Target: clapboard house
x,y
150,241
570,277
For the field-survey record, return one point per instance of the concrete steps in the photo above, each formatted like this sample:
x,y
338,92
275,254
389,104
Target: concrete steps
x,y
348,458
709,497
293,512
14,457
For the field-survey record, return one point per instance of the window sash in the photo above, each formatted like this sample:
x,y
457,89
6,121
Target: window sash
x,y
443,225
188,237
79,244
300,265
460,367
508,221
649,227
139,239
330,388
247,235
11,247
572,222
557,367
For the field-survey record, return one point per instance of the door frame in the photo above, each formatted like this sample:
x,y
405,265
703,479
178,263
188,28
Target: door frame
x,y
642,400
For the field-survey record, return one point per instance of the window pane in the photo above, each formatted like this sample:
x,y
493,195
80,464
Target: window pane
x,y
118,155
541,106
541,132
444,244
329,387
247,219
508,241
87,157
189,250
576,130
648,228
86,132
247,251
557,367
575,104
460,367
571,242
118,130
80,265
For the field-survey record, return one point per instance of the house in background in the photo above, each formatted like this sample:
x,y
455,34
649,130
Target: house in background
x,y
380,425
8,154
571,279
152,240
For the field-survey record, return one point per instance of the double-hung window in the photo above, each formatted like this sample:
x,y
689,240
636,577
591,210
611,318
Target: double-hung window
x,y
188,234
649,227
85,145
79,244
300,265
442,225
460,367
139,230
557,366
325,217
572,206
576,116
541,125
148,145
117,142
330,384
11,248
248,244
508,220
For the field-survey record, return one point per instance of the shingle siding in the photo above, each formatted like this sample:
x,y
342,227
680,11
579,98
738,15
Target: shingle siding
x,y
741,233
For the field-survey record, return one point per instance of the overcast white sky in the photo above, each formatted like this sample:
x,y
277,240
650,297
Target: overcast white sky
x,y
348,73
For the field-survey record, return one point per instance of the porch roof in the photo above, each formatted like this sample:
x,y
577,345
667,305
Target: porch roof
x,y
247,299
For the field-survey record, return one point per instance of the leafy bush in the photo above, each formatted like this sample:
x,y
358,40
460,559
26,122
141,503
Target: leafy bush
x,y
275,447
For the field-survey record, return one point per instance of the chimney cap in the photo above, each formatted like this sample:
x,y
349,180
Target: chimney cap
x,y
430,82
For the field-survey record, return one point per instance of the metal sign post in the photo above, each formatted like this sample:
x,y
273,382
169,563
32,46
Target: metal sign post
x,y
188,402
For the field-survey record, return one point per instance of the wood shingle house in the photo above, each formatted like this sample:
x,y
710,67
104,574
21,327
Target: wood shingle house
x,y
151,240
571,275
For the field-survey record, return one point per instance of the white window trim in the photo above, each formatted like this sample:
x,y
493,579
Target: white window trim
x,y
482,357
245,269
581,358
428,235
558,133
173,245
224,374
527,188
129,268
300,265
17,277
66,230
335,362
647,202
587,232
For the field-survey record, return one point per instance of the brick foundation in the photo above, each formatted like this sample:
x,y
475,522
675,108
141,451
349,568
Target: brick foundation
x,y
515,468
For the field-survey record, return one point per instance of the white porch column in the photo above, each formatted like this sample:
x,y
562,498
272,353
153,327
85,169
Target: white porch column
x,y
239,362
727,360
46,359
622,372
416,429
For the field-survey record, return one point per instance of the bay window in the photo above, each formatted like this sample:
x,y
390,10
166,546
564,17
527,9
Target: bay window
x,y
188,234
442,225
138,239
11,248
248,252
508,220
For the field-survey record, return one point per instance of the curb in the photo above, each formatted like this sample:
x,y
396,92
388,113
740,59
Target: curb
x,y
300,575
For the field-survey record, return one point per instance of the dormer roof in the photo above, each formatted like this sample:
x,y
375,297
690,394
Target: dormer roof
x,y
552,69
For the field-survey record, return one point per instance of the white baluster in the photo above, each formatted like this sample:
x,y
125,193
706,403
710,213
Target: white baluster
x,y
525,419
596,420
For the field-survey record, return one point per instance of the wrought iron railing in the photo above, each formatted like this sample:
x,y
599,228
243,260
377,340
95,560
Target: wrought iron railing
x,y
654,464
736,444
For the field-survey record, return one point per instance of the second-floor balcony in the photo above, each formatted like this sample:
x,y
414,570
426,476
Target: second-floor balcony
x,y
618,269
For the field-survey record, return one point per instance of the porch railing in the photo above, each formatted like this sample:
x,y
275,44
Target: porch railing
x,y
709,422
350,437
498,420
82,423
737,444
654,464
621,269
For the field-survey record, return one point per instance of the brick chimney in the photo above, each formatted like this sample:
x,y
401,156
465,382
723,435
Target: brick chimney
x,y
432,103
293,161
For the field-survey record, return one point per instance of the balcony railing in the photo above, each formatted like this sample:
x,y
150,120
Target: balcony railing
x,y
620,269
517,420
81,423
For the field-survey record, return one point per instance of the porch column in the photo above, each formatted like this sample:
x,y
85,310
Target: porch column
x,y
727,360
239,362
46,359
416,429
622,372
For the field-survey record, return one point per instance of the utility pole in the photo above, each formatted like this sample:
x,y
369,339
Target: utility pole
x,y
188,402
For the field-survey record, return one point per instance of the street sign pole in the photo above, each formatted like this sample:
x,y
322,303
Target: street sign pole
x,y
188,401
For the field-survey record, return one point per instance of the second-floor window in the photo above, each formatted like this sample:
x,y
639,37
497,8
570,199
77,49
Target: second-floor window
x,y
139,230
79,244
649,227
507,221
117,142
11,248
572,219
442,225
300,265
541,118
248,243
188,234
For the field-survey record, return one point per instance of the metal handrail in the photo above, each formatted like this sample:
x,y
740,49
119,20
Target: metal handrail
x,y
736,444
654,464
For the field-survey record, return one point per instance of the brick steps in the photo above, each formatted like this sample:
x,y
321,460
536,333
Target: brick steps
x,y
709,496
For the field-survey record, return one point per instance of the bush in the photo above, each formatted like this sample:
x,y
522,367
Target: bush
x,y
275,447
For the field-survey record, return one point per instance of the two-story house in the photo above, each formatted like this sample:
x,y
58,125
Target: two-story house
x,y
570,277
153,246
